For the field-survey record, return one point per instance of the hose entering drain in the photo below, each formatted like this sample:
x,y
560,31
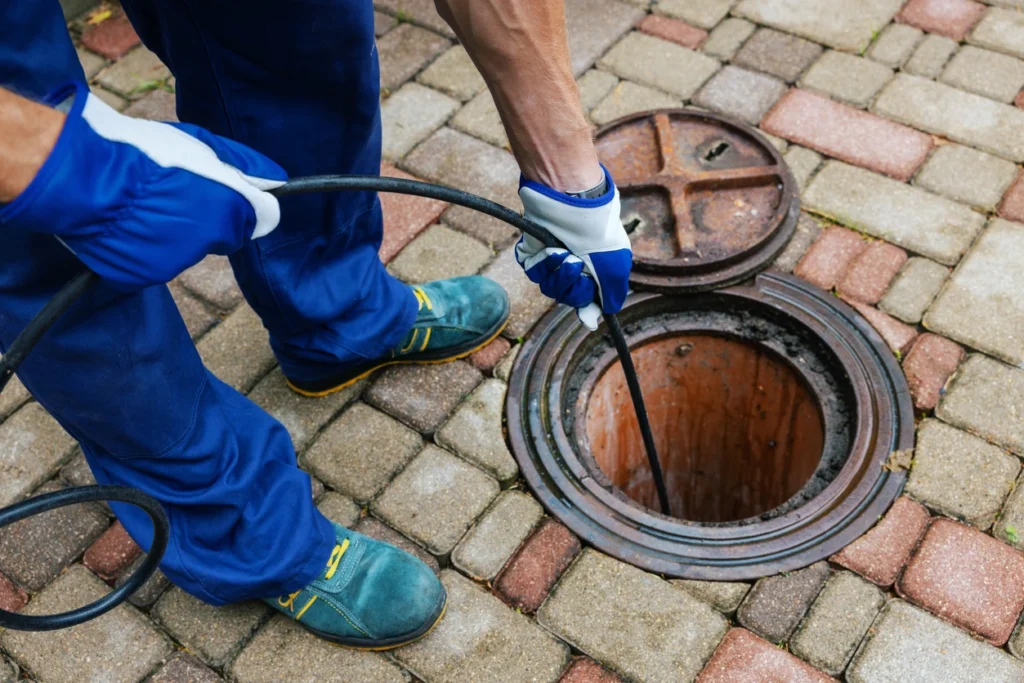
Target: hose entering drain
x,y
72,291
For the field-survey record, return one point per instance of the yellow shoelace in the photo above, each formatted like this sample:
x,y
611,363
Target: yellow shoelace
x,y
423,300
288,601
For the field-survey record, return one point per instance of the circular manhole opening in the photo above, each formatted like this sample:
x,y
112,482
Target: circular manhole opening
x,y
738,430
774,406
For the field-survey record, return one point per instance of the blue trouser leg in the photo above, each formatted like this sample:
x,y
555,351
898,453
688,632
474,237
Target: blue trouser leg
x,y
298,81
120,373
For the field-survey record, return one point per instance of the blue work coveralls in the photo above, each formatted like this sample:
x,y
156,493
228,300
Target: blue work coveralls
x,y
297,80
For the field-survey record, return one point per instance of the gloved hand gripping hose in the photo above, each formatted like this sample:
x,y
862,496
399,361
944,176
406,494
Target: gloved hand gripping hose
x,y
71,292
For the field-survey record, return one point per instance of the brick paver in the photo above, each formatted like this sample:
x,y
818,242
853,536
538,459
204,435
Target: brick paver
x,y
480,119
151,590
870,273
928,365
238,350
32,447
951,18
845,26
530,575
184,668
849,78
528,304
215,634
628,97
586,670
404,51
913,289
338,508
986,73
931,56
439,253
13,397
1012,206
830,257
475,431
213,280
455,74
485,549
486,358
1001,30
159,105
594,26
112,38
898,336
651,631
594,86
405,216
422,396
374,528
659,64
409,115
848,134
419,12
779,54
742,656
727,38
776,604
987,398
705,14
673,30
880,554
895,45
724,596
743,94
967,176
807,231
111,553
134,75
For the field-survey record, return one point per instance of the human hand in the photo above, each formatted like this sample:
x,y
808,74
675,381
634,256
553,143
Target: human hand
x,y
140,201
594,268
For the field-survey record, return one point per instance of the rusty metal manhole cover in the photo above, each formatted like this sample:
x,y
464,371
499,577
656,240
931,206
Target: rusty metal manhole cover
x,y
709,202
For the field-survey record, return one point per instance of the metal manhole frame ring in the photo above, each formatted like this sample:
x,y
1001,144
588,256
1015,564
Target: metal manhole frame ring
x,y
842,512
656,275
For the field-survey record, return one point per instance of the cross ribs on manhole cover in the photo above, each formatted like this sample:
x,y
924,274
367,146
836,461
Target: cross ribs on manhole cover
x,y
708,201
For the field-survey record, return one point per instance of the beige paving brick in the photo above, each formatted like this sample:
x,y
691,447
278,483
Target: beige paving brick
x,y
659,64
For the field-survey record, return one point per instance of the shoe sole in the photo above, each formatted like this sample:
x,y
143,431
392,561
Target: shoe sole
x,y
364,645
399,361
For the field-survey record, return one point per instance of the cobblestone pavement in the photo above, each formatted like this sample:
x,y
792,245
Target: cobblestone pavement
x,y
902,121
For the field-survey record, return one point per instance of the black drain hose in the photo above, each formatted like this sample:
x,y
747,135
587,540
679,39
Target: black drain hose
x,y
70,293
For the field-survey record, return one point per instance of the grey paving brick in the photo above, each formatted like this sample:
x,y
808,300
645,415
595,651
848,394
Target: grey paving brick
x,y
338,508
503,370
807,230
184,668
967,175
459,160
983,304
361,451
594,26
215,634
151,590
802,162
32,447
115,101
779,54
199,316
746,95
969,119
776,604
131,75
482,640
986,398
404,51
382,23
594,86
284,651
91,63
35,550
1009,528
846,77
895,45
486,548
628,97
410,115
302,416
912,218
238,350
120,647
77,472
455,74
837,621
158,105
703,13
724,596
909,645
14,396
913,289
724,41
480,119
374,528
845,26
1001,30
639,614
931,56
475,431
959,475
422,396
528,304
213,280
454,492
439,253
419,12
986,73
659,64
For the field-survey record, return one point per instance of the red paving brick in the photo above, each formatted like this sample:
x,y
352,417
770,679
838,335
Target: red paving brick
x,y
743,657
849,134
586,670
830,256
112,38
673,30
486,358
967,577
111,553
880,554
951,18
897,335
1019,99
531,574
929,364
870,274
1012,206
12,598
404,216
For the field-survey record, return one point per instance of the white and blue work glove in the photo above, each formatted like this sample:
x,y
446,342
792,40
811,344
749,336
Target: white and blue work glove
x,y
140,201
592,273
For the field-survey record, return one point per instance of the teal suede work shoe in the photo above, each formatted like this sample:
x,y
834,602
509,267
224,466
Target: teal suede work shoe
x,y
456,317
371,596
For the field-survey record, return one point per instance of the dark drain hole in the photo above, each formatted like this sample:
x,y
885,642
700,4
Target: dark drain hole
x,y
716,151
738,431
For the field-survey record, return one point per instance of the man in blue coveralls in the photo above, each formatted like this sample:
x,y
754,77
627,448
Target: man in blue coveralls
x,y
266,89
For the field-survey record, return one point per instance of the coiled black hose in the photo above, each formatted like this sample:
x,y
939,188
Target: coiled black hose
x,y
71,292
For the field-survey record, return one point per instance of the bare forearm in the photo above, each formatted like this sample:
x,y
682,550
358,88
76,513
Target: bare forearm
x,y
28,132
521,48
